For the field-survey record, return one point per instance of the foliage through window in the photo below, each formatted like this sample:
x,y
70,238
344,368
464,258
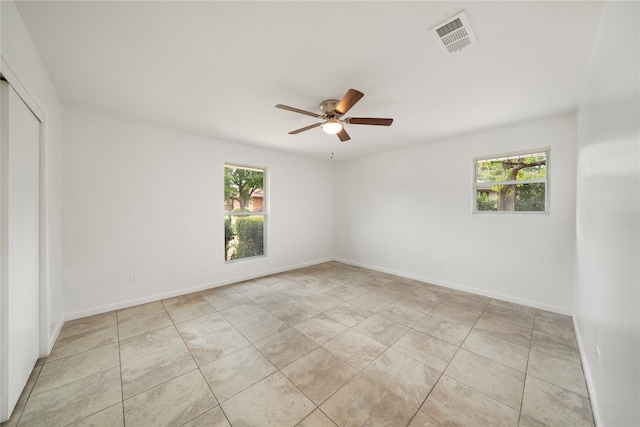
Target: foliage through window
x,y
244,208
512,183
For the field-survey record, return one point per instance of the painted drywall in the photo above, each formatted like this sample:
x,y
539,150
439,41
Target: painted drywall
x,y
409,212
24,70
607,298
148,200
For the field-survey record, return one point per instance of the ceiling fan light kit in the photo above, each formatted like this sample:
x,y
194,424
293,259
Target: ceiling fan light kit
x,y
332,112
332,126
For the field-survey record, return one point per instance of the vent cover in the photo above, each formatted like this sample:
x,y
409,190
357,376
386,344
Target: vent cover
x,y
454,34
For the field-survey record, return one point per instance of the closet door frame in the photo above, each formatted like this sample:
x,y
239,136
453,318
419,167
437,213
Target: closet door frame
x,y
44,340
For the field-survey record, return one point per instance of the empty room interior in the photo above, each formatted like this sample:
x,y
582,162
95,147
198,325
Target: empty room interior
x,y
430,213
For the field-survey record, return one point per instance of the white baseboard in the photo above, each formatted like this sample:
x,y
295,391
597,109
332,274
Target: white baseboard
x,y
459,287
587,376
54,336
183,291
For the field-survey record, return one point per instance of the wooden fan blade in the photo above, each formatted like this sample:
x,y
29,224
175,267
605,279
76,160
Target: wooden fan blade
x,y
369,121
315,125
348,100
297,110
343,135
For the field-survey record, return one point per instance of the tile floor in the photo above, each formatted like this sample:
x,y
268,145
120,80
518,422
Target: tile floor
x,y
326,345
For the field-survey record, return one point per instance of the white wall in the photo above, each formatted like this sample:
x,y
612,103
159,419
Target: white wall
x,y
607,299
22,67
148,200
406,210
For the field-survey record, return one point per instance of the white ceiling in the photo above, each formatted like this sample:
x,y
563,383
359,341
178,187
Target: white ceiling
x,y
218,68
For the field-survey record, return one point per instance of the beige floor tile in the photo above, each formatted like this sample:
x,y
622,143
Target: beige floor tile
x,y
423,420
259,293
355,348
452,313
555,405
142,318
431,351
554,324
301,291
261,326
557,371
74,401
513,306
453,333
224,301
346,293
274,401
417,303
187,307
564,348
505,330
242,312
456,404
319,374
529,421
88,324
212,418
173,403
401,313
284,285
150,342
24,396
504,384
294,312
426,292
285,347
354,378
235,372
316,419
85,334
320,302
505,352
56,373
404,376
381,329
520,318
348,314
371,302
146,369
201,326
219,291
110,417
277,303
468,302
218,344
320,328
363,402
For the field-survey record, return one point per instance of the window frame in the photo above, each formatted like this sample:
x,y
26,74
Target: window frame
x,y
521,153
264,212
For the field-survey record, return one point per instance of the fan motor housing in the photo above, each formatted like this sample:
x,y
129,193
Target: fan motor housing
x,y
328,106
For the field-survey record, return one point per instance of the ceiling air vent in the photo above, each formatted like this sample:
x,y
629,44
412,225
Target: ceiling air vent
x,y
454,34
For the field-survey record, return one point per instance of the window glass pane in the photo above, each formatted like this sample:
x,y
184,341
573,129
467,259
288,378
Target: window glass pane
x,y
515,197
244,236
243,189
245,212
518,168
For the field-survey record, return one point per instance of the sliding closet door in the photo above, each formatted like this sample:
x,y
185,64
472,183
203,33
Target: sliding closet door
x,y
20,248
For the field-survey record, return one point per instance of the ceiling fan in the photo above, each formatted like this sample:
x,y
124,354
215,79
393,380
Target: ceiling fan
x,y
332,112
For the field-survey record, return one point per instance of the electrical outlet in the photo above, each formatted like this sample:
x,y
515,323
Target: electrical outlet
x,y
440,264
598,359
133,277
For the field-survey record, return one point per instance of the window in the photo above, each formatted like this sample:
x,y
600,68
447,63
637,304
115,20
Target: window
x,y
512,183
244,212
